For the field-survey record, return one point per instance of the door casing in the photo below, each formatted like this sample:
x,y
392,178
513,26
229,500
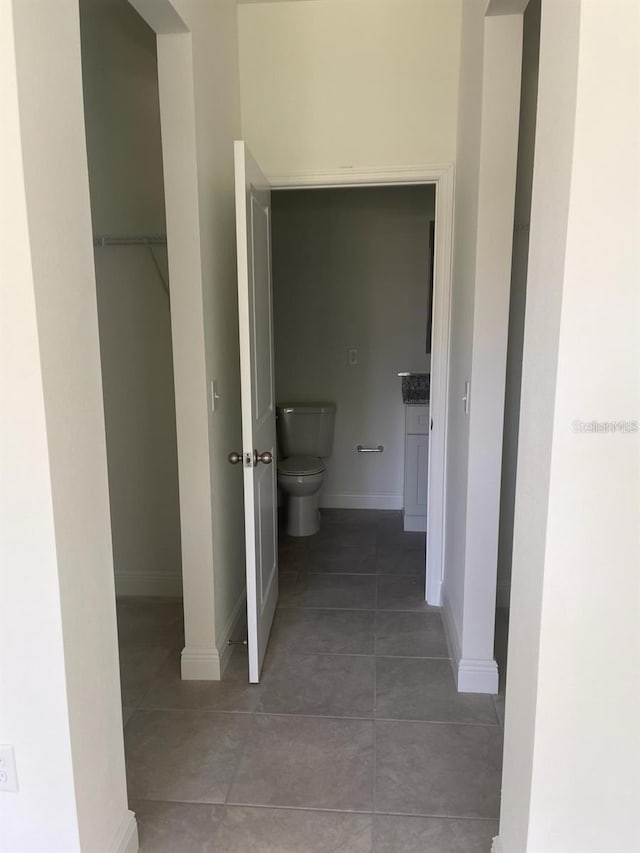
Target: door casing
x,y
442,177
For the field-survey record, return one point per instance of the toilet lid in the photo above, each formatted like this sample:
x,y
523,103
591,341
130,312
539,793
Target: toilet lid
x,y
298,465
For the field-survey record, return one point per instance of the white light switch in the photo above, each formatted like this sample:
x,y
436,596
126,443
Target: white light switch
x,y
215,397
352,357
8,775
465,399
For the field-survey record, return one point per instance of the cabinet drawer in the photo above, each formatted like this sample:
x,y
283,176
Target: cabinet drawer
x,y
417,420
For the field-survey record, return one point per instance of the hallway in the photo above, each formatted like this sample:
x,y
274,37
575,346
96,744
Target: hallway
x,y
355,739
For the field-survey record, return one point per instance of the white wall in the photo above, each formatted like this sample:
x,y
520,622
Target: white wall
x,y
329,84
350,269
464,256
122,118
200,116
486,169
571,773
59,668
517,299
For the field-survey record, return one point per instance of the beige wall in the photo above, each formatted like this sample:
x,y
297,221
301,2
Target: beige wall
x,y
217,106
485,187
122,119
350,269
328,84
464,258
59,667
574,658
200,116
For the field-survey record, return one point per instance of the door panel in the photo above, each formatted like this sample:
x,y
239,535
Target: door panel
x,y
255,325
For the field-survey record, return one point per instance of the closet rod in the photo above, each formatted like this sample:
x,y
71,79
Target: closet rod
x,y
137,240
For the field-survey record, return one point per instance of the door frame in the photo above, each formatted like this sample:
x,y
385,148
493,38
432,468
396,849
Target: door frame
x,y
442,176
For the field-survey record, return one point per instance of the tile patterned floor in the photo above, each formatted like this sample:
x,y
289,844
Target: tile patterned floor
x,y
355,740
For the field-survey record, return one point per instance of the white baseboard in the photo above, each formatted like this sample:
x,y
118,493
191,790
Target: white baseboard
x,y
357,500
126,840
414,523
234,624
472,675
198,663
477,676
148,583
496,846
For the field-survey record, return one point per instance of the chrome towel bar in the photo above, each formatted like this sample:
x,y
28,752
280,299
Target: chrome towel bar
x,y
362,449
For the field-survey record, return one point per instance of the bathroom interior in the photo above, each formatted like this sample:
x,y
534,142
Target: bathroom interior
x,y
352,303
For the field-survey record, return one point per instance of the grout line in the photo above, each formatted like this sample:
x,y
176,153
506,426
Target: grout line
x,y
430,610
200,710
364,813
318,809
354,718
328,574
415,657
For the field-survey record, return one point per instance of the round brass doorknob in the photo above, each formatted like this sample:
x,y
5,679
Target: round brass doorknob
x,y
266,458
234,458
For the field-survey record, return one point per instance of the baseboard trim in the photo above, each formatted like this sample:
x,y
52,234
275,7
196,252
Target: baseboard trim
x,y
472,675
148,583
414,523
200,664
234,626
496,846
126,840
478,676
357,500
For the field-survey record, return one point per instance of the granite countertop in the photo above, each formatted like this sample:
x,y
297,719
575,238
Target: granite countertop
x,y
415,389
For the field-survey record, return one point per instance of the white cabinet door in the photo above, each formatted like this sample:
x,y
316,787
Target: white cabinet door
x,y
416,469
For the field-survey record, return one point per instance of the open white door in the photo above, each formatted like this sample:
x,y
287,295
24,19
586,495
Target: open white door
x,y
255,321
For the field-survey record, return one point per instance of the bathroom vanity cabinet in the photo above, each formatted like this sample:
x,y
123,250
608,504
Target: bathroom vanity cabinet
x,y
416,467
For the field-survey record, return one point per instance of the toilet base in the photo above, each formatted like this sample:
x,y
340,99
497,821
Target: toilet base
x,y
303,515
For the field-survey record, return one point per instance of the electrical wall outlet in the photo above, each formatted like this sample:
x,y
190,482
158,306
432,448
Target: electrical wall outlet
x,y
8,775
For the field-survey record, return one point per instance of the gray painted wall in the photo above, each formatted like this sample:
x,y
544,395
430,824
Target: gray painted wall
x,y
524,180
350,270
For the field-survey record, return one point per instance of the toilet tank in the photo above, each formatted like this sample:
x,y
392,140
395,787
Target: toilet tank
x,y
306,429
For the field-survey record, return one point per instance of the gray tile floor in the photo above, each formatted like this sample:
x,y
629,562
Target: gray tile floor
x,y
355,739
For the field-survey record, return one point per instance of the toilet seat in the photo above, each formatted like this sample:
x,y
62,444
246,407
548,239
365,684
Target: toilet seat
x,y
299,466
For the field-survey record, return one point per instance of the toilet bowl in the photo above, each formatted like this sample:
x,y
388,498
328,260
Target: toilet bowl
x,y
301,478
305,434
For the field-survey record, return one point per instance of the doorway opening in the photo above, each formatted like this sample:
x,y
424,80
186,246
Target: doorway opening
x,y
254,214
352,291
352,307
122,122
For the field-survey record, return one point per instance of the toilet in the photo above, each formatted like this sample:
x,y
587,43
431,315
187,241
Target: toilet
x,y
305,435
